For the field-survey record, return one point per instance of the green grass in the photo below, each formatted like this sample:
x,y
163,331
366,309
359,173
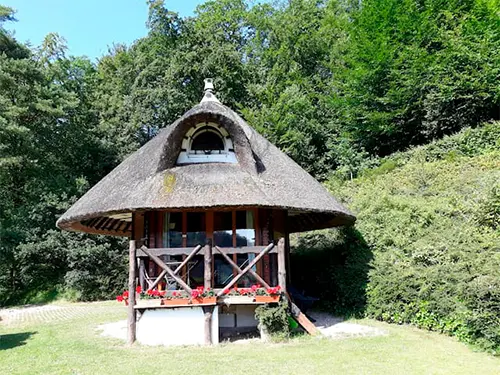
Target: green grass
x,y
75,347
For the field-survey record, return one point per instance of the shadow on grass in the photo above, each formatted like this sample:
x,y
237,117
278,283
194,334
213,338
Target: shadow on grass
x,y
13,340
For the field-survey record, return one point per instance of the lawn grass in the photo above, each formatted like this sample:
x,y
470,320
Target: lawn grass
x,y
75,347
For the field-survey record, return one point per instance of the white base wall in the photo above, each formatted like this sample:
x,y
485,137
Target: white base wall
x,y
176,326
238,316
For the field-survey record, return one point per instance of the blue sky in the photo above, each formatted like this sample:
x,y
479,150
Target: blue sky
x,y
89,26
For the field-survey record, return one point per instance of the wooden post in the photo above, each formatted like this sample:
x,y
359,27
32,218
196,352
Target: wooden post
x,y
208,263
142,274
131,319
282,264
208,310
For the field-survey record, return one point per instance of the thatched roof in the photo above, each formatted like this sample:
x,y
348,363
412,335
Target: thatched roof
x,y
149,179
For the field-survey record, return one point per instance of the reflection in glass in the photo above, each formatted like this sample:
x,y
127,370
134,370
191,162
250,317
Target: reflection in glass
x,y
172,229
223,229
223,271
196,229
245,232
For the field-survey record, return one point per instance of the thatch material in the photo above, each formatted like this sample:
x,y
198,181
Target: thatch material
x,y
149,179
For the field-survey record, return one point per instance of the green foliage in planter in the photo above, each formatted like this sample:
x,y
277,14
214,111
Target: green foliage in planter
x,y
274,317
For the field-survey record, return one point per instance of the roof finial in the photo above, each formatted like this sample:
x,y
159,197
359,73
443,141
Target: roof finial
x,y
209,91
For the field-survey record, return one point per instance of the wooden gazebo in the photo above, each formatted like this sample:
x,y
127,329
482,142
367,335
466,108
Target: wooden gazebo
x,y
207,202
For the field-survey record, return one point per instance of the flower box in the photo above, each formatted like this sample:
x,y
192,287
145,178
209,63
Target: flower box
x,y
267,299
175,301
204,300
148,303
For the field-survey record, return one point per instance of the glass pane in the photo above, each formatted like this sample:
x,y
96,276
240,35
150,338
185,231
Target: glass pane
x,y
196,272
196,228
243,260
245,232
172,230
223,229
223,271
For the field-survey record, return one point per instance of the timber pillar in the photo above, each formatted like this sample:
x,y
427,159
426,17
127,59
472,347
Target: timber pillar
x,y
208,310
208,263
282,264
131,317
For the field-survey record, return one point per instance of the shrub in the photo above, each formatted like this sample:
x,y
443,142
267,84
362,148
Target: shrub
x,y
333,266
431,227
274,319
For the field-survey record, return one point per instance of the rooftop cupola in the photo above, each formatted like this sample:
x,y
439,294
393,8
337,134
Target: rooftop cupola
x,y
209,91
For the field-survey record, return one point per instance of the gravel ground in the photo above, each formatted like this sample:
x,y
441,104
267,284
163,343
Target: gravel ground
x,y
34,314
336,328
329,326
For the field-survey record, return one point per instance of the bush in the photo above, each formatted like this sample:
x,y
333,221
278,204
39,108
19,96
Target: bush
x,y
430,227
333,266
273,318
75,266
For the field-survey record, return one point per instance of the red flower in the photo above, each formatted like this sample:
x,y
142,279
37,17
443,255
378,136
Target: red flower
x,y
254,288
125,294
174,293
195,293
138,289
119,298
226,291
162,293
149,292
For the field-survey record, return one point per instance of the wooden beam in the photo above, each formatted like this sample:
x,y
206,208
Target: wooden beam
x,y
282,264
195,251
91,222
160,263
158,279
248,267
131,316
188,250
116,225
303,320
142,274
128,227
238,269
207,255
208,312
100,223
235,256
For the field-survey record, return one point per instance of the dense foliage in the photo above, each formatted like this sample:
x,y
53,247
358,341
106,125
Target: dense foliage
x,y
430,256
336,84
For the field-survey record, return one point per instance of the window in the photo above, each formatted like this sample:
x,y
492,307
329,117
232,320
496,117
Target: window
x,y
223,229
172,230
195,231
230,229
245,230
207,143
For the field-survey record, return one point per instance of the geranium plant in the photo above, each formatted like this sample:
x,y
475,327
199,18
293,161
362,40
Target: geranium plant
x,y
254,290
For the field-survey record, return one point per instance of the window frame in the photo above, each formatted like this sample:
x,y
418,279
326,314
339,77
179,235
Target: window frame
x,y
189,156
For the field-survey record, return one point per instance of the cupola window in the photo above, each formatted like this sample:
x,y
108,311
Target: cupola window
x,y
207,143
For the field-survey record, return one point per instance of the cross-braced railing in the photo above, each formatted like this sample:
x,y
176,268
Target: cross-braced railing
x,y
209,251
167,270
247,269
